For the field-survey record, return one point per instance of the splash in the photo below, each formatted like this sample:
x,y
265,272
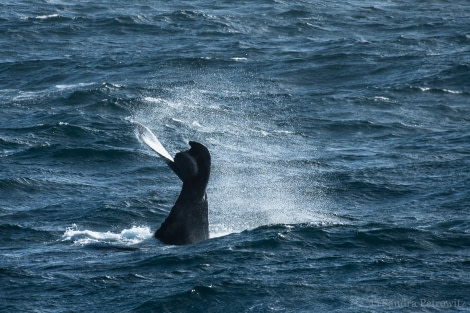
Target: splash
x,y
262,173
126,237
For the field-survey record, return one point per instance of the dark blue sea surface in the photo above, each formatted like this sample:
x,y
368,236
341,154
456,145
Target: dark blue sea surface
x,y
340,142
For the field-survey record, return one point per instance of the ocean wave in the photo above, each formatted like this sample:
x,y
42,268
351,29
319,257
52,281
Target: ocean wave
x,y
10,146
87,154
349,236
439,90
20,185
21,234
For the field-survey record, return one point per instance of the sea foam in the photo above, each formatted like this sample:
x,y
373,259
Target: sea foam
x,y
129,236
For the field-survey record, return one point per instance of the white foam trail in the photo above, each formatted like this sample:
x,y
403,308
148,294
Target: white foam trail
x,y
126,237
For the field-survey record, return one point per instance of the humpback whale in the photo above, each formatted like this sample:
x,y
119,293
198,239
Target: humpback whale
x,y
187,221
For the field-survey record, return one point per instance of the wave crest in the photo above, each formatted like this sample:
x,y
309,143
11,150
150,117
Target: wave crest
x,y
126,237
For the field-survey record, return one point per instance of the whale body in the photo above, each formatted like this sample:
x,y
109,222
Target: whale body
x,y
188,220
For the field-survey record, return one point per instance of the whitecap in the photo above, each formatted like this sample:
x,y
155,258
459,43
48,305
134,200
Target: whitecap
x,y
238,59
45,17
177,120
154,100
452,91
284,132
72,86
196,124
129,236
380,98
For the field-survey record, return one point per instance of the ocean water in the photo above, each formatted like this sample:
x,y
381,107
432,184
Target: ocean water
x,y
340,140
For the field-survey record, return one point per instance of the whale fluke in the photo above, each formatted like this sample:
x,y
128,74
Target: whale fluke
x,y
188,219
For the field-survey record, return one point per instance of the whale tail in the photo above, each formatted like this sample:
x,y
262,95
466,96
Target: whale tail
x,y
188,219
185,226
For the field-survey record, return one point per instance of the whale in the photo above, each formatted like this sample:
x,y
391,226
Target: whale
x,y
187,222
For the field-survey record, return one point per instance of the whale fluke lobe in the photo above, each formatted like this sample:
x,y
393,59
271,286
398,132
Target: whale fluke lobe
x,y
188,219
